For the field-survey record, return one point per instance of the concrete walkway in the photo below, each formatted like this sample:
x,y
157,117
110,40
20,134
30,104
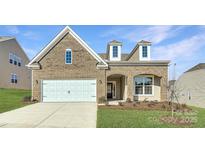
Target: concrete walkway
x,y
51,115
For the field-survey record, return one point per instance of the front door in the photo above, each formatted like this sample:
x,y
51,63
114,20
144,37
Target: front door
x,y
109,90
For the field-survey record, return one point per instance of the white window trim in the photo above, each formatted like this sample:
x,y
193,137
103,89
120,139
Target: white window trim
x,y
11,56
148,54
19,61
14,77
15,57
118,58
113,52
143,89
71,56
146,51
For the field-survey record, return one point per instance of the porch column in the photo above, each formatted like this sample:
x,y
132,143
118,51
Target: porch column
x,y
125,90
130,87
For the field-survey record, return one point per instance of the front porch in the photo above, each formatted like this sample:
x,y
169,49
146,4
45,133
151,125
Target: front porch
x,y
142,87
116,88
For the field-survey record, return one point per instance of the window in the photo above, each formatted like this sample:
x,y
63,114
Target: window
x,y
19,62
115,51
68,56
144,52
11,58
15,59
143,85
13,78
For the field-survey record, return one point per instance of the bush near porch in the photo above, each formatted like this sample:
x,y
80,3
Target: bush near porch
x,y
162,106
146,116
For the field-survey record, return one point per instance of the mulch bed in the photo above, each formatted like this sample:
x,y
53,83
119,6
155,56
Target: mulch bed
x,y
162,106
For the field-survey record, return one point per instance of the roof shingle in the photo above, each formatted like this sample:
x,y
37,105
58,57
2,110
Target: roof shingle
x,y
5,38
197,67
143,41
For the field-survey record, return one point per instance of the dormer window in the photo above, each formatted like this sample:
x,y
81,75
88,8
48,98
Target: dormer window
x,y
144,52
115,51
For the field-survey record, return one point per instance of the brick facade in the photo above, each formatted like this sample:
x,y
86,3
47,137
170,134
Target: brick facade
x,y
53,67
131,71
84,66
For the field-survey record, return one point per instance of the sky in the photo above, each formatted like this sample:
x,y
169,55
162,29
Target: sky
x,y
183,45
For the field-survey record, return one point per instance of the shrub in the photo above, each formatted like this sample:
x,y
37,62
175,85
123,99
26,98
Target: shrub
x,y
120,103
184,106
27,99
34,100
134,103
163,106
102,100
138,102
128,100
178,106
145,100
150,105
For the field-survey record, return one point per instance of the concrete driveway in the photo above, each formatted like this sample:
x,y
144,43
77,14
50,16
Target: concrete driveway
x,y
51,115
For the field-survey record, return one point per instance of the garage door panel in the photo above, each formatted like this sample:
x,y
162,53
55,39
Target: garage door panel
x,y
69,90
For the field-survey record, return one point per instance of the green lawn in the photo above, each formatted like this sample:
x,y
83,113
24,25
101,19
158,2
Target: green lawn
x,y
117,118
12,98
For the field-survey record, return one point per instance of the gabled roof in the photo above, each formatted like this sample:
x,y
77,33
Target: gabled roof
x,y
136,46
8,38
140,63
65,31
114,41
105,56
143,41
132,52
5,38
197,67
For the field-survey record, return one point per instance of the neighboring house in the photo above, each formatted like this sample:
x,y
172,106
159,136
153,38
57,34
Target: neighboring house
x,y
13,72
190,87
68,70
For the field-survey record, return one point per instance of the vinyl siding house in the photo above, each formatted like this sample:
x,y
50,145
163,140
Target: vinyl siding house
x,y
68,70
190,87
13,72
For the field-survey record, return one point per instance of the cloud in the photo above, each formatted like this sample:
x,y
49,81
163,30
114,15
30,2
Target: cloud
x,y
30,52
31,35
155,34
185,48
12,30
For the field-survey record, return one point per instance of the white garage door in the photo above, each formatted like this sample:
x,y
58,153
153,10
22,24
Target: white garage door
x,y
69,90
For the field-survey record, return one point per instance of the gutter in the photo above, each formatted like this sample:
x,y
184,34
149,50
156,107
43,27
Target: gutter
x,y
138,64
